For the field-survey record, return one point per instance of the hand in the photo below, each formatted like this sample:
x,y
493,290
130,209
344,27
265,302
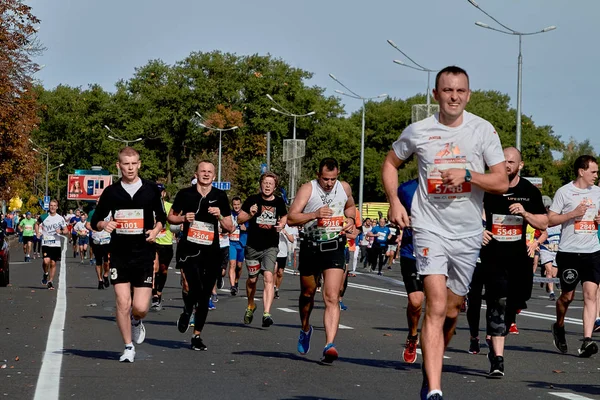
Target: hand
x,y
151,235
453,176
349,226
487,236
110,225
324,212
214,211
189,217
279,225
532,247
253,210
397,215
580,210
517,209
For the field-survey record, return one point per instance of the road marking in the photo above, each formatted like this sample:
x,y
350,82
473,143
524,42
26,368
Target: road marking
x,y
19,262
344,327
48,383
288,310
570,307
419,352
570,396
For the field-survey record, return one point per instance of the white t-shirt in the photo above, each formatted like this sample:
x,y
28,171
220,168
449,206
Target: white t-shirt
x,y
132,188
284,243
48,229
80,227
452,213
579,235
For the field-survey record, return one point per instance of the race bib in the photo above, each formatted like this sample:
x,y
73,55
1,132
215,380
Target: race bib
x,y
253,267
381,236
48,240
101,237
162,233
436,189
331,224
507,228
201,233
235,236
28,228
130,222
586,224
553,247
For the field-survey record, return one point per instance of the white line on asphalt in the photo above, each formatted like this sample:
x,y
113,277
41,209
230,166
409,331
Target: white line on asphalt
x,y
419,352
569,396
19,262
344,327
48,383
570,307
289,310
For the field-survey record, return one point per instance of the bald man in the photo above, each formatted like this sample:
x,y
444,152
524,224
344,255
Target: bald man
x,y
504,255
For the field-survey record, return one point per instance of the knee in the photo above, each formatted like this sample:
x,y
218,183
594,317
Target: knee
x,y
496,317
251,281
567,297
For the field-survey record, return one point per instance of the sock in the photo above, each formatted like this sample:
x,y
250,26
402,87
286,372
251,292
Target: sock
x,y
129,346
434,392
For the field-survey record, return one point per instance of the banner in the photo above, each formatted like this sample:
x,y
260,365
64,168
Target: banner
x,y
87,187
537,182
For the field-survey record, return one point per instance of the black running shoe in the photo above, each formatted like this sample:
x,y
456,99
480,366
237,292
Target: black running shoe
x,y
183,323
100,285
45,279
588,348
198,344
496,367
559,340
474,347
50,285
106,281
234,290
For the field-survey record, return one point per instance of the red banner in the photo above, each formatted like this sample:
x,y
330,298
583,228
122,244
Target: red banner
x,y
87,187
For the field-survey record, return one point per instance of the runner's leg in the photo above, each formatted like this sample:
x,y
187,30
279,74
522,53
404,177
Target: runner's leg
x,y
332,279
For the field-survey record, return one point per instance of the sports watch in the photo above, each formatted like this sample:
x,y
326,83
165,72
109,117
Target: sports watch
x,y
467,175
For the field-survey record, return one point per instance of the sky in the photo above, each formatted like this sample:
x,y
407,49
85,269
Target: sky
x,y
90,41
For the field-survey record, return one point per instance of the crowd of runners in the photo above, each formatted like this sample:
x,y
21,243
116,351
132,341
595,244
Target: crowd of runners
x,y
461,234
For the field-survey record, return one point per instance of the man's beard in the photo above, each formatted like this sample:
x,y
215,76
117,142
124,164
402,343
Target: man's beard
x,y
512,176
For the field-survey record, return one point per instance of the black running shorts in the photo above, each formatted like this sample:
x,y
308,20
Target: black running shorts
x,y
318,256
53,253
412,280
577,267
137,272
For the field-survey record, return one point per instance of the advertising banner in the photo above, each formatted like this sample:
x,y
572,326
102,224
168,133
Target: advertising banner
x,y
87,187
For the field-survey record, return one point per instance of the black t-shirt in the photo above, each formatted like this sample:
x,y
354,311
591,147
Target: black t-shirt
x,y
394,231
204,234
261,228
509,231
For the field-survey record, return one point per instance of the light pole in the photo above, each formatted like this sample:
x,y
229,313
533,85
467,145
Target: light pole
x,y
46,153
417,67
285,112
510,31
119,139
212,128
353,95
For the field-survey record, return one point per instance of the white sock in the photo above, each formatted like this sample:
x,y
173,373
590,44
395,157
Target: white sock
x,y
434,392
130,345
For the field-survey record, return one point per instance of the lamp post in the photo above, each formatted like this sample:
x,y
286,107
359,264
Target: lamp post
x,y
417,67
46,153
361,180
509,31
119,139
212,128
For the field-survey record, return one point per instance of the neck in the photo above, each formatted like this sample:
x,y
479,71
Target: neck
x,y
203,189
580,183
514,181
451,122
269,197
129,182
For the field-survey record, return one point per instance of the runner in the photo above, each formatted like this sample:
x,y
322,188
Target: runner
x,y
164,251
82,236
201,209
381,234
504,255
550,239
392,245
287,240
134,205
47,228
326,209
237,246
452,149
365,243
27,229
410,276
75,219
351,236
101,246
224,244
576,208
267,215
37,242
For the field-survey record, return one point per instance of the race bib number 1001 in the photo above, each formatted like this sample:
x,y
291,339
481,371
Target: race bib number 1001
x,y
437,190
130,222
507,228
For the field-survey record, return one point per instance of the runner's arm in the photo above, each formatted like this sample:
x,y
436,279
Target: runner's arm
x,y
496,182
538,221
543,237
350,207
389,174
243,217
558,219
295,215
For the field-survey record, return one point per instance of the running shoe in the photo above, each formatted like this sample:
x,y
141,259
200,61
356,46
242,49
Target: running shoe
x,y
267,320
513,330
558,336
435,396
249,315
50,285
155,303
474,347
276,293
193,320
183,323
128,354
198,344
330,354
496,367
343,307
211,305
352,274
318,289
304,341
234,290
588,348
597,325
45,278
410,349
379,274
138,331
100,285
220,282
215,298
106,281
552,297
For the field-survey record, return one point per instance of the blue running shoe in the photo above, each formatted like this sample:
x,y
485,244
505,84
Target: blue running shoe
x,y
211,305
330,354
343,306
304,341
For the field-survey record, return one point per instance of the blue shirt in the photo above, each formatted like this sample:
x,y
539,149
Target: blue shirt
x,y
382,234
406,192
243,234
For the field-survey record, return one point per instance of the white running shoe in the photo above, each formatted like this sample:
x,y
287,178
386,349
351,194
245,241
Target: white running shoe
x,y
128,355
138,333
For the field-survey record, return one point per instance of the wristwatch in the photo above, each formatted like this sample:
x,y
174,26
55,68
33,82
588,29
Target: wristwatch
x,y
467,175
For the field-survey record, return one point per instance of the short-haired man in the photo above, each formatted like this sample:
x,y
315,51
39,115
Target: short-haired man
x,y
576,207
326,209
83,238
47,228
267,216
237,246
452,148
136,217
100,245
27,227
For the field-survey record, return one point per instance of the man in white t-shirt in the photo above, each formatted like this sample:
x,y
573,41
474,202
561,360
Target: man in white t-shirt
x,y
287,239
452,148
576,207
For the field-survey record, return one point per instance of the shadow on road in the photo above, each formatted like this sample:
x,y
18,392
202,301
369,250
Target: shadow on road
x,y
99,354
587,389
169,344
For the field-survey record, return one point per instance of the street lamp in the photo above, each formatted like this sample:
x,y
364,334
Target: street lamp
x,y
417,67
47,154
212,128
353,95
119,139
287,113
509,31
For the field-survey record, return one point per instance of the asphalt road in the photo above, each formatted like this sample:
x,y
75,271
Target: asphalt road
x,y
244,362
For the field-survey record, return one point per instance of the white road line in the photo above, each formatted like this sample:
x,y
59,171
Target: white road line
x,y
570,307
48,383
421,353
288,310
569,396
344,327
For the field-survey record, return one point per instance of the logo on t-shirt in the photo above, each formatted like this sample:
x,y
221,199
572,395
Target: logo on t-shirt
x,y
267,218
448,150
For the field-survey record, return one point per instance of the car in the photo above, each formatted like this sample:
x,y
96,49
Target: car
x,y
4,260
